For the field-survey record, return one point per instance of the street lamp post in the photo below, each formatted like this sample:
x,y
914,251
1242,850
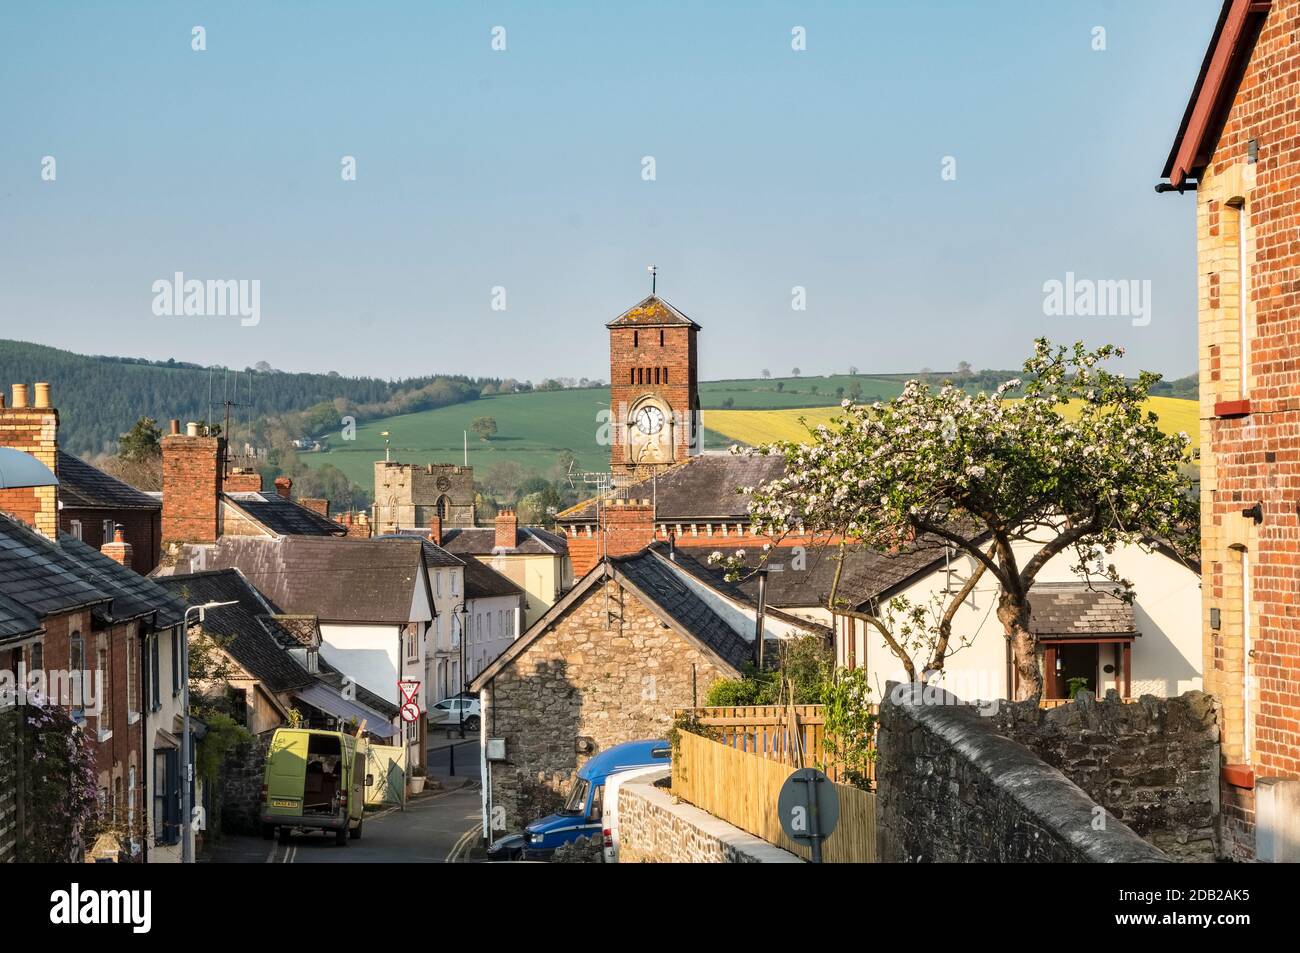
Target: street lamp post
x,y
458,618
187,798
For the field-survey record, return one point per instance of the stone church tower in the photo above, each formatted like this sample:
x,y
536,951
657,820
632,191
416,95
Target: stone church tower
x,y
654,389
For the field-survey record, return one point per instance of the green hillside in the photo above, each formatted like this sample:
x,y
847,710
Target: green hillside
x,y
532,430
763,394
99,398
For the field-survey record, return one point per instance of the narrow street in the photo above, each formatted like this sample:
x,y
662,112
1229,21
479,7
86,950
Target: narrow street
x,y
424,833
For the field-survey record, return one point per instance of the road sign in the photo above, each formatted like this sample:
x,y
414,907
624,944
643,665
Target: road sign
x,y
410,712
408,687
809,808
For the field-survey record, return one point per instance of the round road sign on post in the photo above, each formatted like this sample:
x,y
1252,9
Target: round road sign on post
x,y
410,712
809,809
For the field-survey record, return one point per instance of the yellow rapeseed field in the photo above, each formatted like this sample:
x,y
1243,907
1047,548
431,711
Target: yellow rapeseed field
x,y
765,426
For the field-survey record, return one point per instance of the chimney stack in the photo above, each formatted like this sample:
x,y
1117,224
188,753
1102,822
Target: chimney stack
x,y
119,550
283,485
507,529
33,430
435,529
175,426
192,483
242,480
316,505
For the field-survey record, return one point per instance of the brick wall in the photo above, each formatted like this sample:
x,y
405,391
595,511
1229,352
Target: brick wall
x,y
1249,433
142,528
34,430
638,365
582,679
191,479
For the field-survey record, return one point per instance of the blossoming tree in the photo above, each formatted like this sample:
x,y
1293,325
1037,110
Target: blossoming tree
x,y
1077,464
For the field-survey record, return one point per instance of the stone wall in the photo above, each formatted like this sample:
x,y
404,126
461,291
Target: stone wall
x,y
654,828
239,787
950,788
1153,764
591,682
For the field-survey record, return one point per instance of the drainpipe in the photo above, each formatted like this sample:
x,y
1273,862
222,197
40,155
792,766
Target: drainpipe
x,y
759,616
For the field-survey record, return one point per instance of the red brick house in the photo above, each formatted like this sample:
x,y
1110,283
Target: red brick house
x,y
81,611
88,503
1235,148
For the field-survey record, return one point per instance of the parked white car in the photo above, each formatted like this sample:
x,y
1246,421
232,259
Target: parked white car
x,y
610,816
449,712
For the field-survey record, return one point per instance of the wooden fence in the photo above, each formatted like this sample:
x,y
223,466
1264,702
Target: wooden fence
x,y
793,735
741,787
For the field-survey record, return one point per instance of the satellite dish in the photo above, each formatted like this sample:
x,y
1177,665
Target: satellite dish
x,y
18,469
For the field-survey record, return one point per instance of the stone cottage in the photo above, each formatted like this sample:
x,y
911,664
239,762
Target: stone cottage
x,y
635,639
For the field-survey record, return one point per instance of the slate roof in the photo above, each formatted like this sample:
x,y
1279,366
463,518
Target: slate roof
x,y
482,541
867,574
284,517
333,677
245,630
16,620
39,575
706,487
337,580
659,584
484,582
1071,610
651,311
435,556
133,595
83,486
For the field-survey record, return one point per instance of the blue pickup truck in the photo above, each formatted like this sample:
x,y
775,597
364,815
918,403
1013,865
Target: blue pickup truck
x,y
581,814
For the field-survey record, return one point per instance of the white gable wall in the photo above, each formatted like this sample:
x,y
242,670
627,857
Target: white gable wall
x,y
1166,654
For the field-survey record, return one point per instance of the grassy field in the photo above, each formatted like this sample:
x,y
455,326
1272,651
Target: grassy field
x,y
764,426
534,429
759,394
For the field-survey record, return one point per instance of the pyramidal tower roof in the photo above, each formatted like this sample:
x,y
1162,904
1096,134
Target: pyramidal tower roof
x,y
651,312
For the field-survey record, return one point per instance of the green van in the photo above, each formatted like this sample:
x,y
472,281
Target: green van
x,y
315,780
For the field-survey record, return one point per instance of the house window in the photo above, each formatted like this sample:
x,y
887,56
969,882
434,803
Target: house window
x,y
74,529
176,662
155,693
110,530
131,663
105,690
313,661
455,583
37,662
1238,210
437,582
130,802
412,644
77,665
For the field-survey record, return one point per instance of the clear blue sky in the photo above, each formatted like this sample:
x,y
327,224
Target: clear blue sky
x,y
522,169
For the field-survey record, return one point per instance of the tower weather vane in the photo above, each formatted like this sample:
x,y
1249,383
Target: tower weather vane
x,y
654,273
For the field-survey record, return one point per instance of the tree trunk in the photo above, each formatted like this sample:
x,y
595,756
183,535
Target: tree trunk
x,y
1013,613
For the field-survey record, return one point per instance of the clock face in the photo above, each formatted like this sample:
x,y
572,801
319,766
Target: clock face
x,y
649,420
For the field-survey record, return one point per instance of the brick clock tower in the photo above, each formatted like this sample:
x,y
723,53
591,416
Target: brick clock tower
x,y
654,390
